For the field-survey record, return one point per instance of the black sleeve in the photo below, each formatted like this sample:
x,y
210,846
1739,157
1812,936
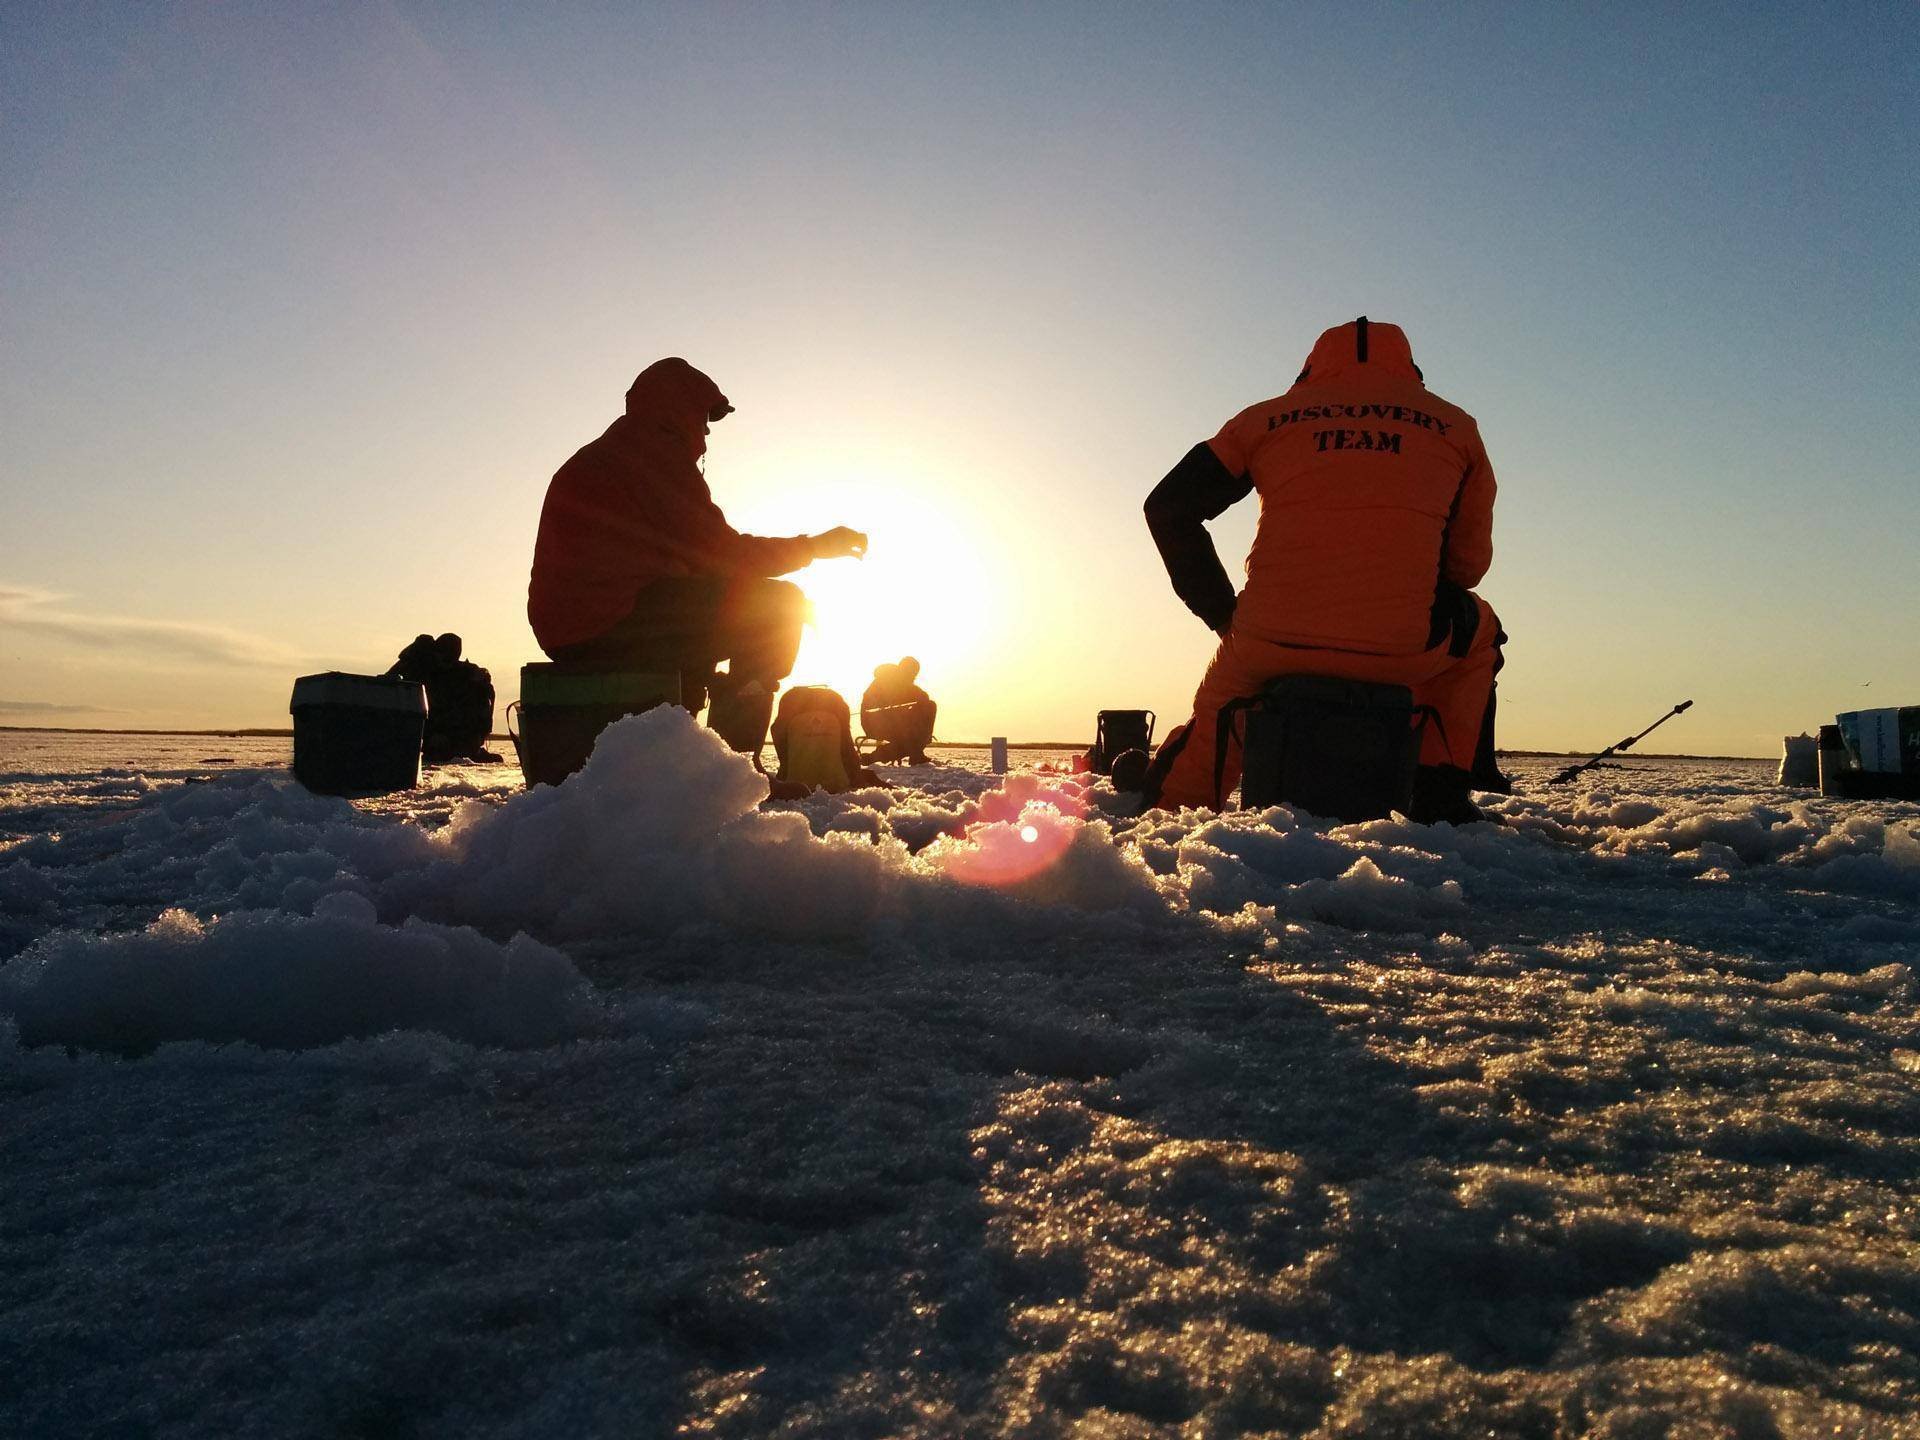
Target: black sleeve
x,y
1196,490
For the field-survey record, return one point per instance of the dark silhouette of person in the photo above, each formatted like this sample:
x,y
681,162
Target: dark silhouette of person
x,y
459,699
636,567
897,714
1376,519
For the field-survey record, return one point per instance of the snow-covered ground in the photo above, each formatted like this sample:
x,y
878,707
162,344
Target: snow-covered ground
x,y
976,1107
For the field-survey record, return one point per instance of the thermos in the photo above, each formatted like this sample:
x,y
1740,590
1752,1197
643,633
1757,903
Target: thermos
x,y
1834,761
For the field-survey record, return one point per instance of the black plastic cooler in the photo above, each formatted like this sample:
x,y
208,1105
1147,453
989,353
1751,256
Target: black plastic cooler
x,y
357,734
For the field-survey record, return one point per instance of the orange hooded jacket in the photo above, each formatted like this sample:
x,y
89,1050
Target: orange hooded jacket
x,y
1372,490
632,507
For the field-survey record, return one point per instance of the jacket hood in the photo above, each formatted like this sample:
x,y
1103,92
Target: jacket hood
x,y
1363,346
671,395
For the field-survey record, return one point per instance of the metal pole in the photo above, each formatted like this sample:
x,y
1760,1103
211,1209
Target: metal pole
x,y
1626,744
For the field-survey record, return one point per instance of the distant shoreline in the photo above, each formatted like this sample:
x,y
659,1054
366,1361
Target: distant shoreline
x,y
85,730
287,734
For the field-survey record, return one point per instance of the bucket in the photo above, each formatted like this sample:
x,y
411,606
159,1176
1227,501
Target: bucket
x,y
1343,749
357,734
561,713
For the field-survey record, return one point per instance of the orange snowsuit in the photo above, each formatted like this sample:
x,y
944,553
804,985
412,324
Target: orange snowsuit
x,y
1376,516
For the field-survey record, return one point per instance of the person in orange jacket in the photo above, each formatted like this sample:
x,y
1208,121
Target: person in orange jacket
x,y
1376,520
636,567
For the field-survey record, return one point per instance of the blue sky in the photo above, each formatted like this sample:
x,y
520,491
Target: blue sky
x,y
299,310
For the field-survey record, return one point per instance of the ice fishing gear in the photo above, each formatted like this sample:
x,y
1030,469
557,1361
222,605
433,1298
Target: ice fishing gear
x,y
562,711
813,736
1115,733
357,734
1619,745
1344,749
1871,754
1129,771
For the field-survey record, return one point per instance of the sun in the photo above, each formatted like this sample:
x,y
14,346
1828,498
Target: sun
x,y
922,590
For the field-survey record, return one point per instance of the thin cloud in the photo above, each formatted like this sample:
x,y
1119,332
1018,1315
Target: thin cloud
x,y
43,707
38,612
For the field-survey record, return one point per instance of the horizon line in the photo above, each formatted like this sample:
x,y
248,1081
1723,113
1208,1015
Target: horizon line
x,y
260,733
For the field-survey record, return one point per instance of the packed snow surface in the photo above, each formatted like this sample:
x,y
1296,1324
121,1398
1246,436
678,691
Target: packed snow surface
x,y
977,1105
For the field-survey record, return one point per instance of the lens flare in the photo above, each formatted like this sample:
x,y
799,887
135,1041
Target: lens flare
x,y
1014,833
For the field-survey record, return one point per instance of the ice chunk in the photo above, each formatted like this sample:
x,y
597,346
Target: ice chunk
x,y
289,982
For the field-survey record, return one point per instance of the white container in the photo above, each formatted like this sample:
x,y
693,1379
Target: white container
x,y
999,748
1879,739
1800,761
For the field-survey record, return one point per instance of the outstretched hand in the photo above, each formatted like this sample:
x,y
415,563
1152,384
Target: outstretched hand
x,y
837,542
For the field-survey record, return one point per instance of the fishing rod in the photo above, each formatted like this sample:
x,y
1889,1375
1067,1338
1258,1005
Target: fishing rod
x,y
1613,749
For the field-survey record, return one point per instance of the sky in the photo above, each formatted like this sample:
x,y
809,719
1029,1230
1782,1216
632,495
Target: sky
x,y
300,308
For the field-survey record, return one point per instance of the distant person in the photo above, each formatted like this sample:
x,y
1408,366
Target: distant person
x,y
459,699
636,568
1376,518
897,714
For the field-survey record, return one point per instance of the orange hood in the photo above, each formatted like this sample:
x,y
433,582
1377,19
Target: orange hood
x,y
1361,346
671,395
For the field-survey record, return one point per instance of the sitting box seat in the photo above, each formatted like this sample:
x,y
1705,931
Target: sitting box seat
x,y
1343,749
562,710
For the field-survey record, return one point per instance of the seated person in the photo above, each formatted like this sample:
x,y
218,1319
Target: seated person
x,y
459,699
635,567
1376,518
897,714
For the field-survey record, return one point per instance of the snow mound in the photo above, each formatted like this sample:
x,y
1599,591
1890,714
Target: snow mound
x,y
289,982
663,829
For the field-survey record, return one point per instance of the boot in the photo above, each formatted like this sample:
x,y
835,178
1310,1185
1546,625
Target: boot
x,y
1440,795
739,715
1486,771
1155,775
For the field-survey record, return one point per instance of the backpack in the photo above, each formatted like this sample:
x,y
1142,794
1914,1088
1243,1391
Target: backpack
x,y
813,737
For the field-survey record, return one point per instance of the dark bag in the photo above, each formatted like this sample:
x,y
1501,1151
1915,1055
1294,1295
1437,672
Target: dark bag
x,y
459,711
1343,749
1115,733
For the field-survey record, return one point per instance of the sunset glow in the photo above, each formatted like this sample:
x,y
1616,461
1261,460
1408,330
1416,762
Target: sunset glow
x,y
1339,510
301,309
924,590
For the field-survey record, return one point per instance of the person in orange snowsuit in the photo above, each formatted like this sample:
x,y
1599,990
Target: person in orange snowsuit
x,y
1376,520
635,566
